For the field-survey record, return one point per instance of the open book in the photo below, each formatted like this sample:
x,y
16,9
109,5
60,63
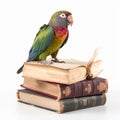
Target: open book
x,y
70,72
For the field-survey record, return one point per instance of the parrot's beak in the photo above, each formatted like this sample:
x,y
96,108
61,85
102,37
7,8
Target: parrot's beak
x,y
70,19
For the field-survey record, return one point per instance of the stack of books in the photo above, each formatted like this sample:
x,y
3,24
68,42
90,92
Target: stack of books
x,y
63,87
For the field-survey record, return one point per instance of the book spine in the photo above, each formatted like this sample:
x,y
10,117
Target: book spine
x,y
84,88
81,103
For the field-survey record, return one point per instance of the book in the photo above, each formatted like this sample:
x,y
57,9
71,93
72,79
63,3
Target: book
x,y
69,72
87,87
60,106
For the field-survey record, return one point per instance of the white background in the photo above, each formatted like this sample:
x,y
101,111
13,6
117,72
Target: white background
x,y
96,25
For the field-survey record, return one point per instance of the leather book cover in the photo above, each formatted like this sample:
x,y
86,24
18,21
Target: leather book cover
x,y
87,87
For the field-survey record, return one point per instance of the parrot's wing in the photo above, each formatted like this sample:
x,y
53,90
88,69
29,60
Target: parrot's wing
x,y
65,40
41,42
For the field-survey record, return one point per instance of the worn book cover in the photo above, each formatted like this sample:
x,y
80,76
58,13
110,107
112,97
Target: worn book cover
x,y
70,72
60,106
87,87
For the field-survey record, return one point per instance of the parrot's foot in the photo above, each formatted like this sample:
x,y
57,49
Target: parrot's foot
x,y
44,62
56,60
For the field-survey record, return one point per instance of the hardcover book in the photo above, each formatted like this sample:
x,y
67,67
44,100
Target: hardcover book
x,y
60,106
70,72
87,87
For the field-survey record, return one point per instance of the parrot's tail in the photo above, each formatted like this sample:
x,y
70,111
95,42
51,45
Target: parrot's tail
x,y
20,69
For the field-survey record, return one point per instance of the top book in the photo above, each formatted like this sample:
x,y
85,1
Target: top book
x,y
70,72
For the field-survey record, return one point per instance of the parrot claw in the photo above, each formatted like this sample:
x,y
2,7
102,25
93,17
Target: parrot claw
x,y
58,61
44,62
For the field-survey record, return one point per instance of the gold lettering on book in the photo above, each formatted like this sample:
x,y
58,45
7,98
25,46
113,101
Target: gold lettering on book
x,y
88,88
76,103
102,86
94,100
103,99
67,91
106,83
84,102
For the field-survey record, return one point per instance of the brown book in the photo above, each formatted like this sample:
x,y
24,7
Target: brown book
x,y
69,72
87,87
61,106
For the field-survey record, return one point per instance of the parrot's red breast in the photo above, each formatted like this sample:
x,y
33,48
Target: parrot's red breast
x,y
61,33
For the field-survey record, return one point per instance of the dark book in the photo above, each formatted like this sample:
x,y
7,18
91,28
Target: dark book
x,y
60,106
87,87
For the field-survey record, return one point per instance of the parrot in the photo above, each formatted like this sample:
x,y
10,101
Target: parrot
x,y
50,38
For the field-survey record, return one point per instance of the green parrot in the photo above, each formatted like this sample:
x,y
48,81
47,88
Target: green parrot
x,y
50,38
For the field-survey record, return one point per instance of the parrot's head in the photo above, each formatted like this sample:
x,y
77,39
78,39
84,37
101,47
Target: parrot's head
x,y
61,18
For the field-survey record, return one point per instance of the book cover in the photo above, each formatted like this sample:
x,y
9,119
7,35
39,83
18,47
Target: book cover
x,y
87,87
69,72
61,106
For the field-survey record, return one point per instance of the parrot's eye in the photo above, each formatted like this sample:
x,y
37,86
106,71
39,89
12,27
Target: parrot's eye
x,y
62,15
